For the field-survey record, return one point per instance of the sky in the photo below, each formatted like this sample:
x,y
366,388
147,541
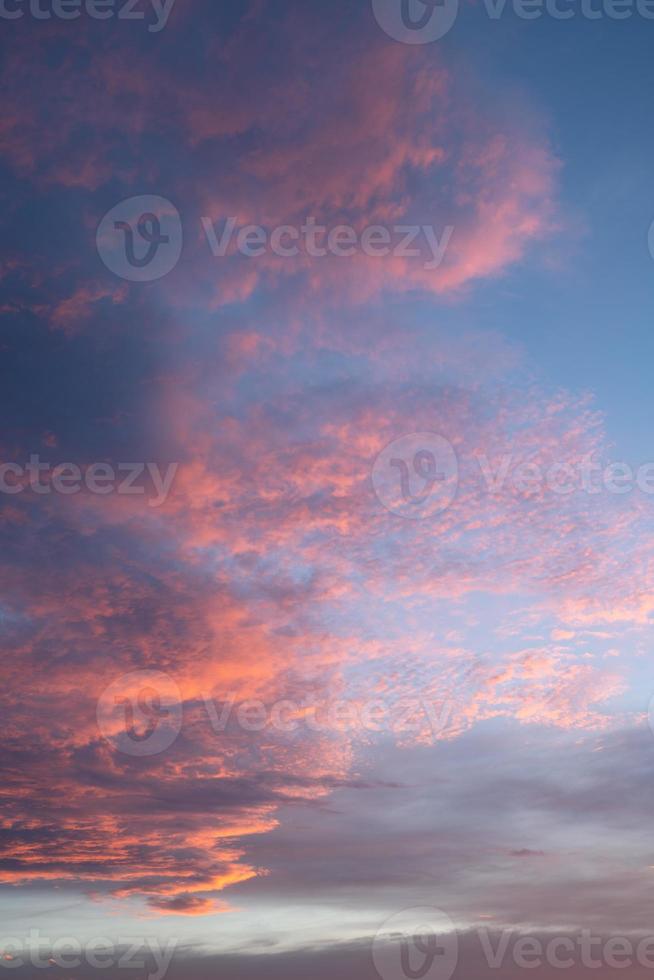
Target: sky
x,y
326,484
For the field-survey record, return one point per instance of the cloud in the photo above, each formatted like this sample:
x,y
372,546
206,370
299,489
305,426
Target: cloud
x,y
383,135
273,572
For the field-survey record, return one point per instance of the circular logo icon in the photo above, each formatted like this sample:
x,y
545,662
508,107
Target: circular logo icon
x,y
416,944
140,713
140,239
416,476
415,21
